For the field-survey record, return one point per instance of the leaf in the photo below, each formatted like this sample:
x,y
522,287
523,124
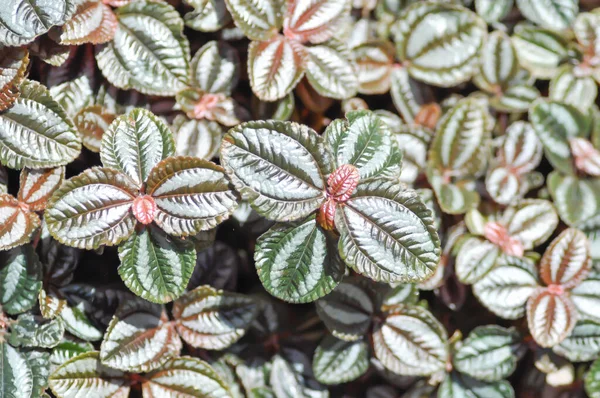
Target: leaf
x,y
20,279
521,148
257,19
197,138
36,186
453,198
277,166
347,311
298,263
592,380
16,377
68,349
17,223
275,67
516,98
575,199
191,195
139,338
185,376
439,43
39,363
337,361
213,319
475,259
456,385
586,298
499,64
551,14
50,306
84,375
73,95
291,376
36,132
531,222
278,110
155,266
583,344
388,234
461,144
406,293
49,51
78,324
493,10
505,289
21,21
488,353
33,332
92,209
13,68
578,91
566,261
504,185
374,66
411,342
413,141
551,317
315,21
92,121
208,15
93,22
215,68
165,67
540,51
555,123
408,95
331,70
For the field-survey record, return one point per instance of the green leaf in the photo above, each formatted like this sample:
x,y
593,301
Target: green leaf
x,y
275,67
78,324
215,68
592,380
516,98
277,166
135,143
411,342
84,375
331,70
155,266
197,138
73,95
347,311
13,64
583,344
498,63
92,209
540,51
409,252
555,123
586,297
493,10
577,200
551,14
17,223
16,377
139,338
68,349
453,198
567,260
374,62
39,363
185,376
21,21
165,67
20,279
578,91
208,15
257,19
456,385
505,289
439,43
213,319
191,195
36,132
475,258
337,361
488,354
551,317
298,263
29,331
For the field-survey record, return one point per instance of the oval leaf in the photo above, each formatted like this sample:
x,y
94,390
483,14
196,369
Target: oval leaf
x,y
550,317
13,67
36,186
17,223
330,69
20,279
566,261
337,361
215,68
15,373
551,14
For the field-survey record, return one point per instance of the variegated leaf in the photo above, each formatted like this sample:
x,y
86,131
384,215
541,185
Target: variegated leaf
x,y
475,259
330,68
314,20
551,14
197,138
68,349
489,353
85,376
439,43
521,148
578,91
208,15
406,293
411,249
13,67
36,132
566,261
155,266
78,324
347,310
165,69
453,198
592,380
498,63
73,95
504,185
185,375
191,195
540,51
505,289
39,363
337,361
493,10
408,94
20,279
30,331
215,68
17,222
213,319
36,186
139,338
291,376
457,385
275,67
50,306
374,62
15,373
277,110
586,31
298,263
93,22
277,166
413,141
200,105
21,21
583,344
576,199
92,209
531,222
515,99
92,121
551,317
410,341
258,19
49,51
586,297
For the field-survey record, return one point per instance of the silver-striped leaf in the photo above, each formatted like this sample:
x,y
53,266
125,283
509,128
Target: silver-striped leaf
x,y
68,349
531,221
93,22
215,68
515,99
17,223
493,11
73,95
298,263
498,63
567,87
276,166
457,385
551,14
30,331
592,380
453,198
540,51
92,209
410,251
36,186
258,19
336,361
577,200
213,319
413,141
476,257
78,324
315,21
15,374
36,131
331,70
567,260
586,297
39,363
92,121
374,62
165,67
551,317
408,94
583,344
207,16
197,138
13,65
521,148
20,279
